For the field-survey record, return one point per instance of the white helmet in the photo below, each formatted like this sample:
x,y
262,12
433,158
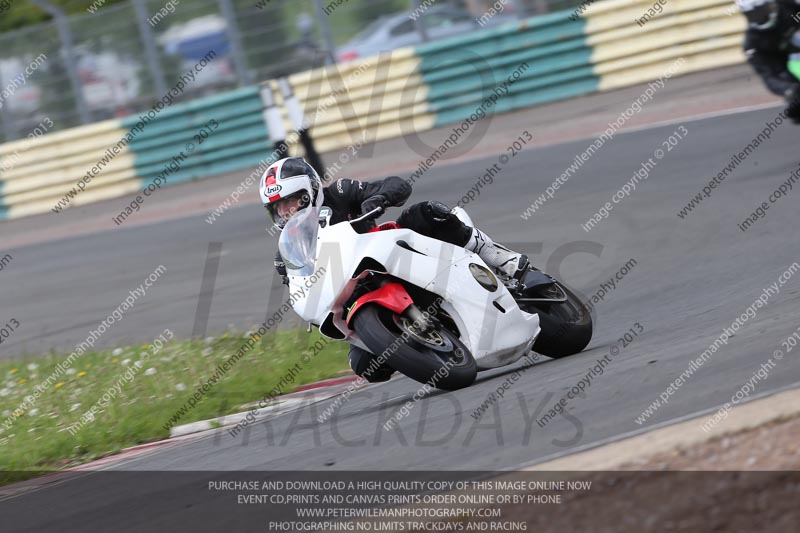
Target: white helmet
x,y
291,177
761,14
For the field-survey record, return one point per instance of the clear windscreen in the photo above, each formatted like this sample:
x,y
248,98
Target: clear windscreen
x,y
298,242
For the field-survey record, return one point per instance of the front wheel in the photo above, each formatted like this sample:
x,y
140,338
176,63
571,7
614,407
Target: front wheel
x,y
435,356
566,325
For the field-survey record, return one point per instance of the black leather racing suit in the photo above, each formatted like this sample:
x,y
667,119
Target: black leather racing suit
x,y
768,53
349,199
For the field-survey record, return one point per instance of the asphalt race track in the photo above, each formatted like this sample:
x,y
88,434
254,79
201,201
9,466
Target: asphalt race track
x,y
692,278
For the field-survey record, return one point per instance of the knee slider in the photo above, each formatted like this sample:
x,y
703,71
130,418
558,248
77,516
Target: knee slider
x,y
437,211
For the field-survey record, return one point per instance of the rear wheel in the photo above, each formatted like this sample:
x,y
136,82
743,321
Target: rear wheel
x,y
566,325
432,355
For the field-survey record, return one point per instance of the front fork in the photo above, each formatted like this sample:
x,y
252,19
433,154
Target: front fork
x,y
393,296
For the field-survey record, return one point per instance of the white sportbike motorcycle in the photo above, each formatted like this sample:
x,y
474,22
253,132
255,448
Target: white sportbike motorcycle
x,y
431,310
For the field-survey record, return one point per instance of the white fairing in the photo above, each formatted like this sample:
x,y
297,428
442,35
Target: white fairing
x,y
321,280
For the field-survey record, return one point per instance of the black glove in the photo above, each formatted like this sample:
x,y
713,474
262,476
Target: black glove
x,y
372,202
280,267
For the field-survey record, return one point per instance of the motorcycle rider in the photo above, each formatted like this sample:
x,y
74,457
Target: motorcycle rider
x,y
291,185
772,36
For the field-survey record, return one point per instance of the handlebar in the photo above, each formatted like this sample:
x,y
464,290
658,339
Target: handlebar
x,y
378,211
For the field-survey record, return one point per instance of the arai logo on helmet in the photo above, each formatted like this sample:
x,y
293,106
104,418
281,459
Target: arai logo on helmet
x,y
272,190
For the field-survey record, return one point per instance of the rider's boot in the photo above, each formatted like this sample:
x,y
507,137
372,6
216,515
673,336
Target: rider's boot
x,y
509,262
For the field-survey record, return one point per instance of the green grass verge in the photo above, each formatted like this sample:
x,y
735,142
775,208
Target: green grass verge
x,y
147,395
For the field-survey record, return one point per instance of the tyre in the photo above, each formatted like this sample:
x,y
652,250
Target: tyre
x,y
423,358
566,326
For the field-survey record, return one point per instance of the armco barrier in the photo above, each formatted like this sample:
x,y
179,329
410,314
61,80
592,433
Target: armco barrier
x,y
706,33
406,91
550,52
602,50
443,82
446,81
37,173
